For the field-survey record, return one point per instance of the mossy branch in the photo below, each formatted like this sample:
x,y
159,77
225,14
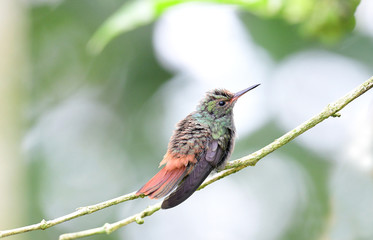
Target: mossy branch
x,y
330,110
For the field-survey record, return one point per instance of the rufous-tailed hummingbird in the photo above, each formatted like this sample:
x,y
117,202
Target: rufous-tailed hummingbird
x,y
202,142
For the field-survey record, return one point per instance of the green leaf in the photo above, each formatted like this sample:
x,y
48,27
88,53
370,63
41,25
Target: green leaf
x,y
326,21
130,16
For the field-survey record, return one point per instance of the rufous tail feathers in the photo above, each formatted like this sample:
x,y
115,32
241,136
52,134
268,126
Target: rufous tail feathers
x,y
163,182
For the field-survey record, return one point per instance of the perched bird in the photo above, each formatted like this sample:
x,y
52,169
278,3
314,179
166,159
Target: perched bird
x,y
202,142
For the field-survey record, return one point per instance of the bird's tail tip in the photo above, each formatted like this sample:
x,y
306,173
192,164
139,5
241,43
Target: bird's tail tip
x,y
162,183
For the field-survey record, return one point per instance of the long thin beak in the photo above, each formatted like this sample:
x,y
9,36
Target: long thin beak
x,y
240,93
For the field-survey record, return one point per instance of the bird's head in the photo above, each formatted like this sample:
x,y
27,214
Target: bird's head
x,y
220,102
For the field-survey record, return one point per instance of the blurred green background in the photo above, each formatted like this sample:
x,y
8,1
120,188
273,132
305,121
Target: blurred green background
x,y
90,92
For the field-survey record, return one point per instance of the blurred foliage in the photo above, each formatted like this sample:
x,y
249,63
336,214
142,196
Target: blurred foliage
x,y
126,77
62,70
327,21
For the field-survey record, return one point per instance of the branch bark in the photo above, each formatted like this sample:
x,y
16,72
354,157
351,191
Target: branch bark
x,y
330,110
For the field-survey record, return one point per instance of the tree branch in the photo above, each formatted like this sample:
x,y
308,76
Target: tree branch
x,y
234,166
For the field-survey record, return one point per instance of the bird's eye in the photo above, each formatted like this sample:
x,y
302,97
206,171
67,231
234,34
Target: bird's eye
x,y
221,103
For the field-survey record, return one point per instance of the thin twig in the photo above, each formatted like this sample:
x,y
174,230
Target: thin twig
x,y
237,165
232,167
79,212
109,228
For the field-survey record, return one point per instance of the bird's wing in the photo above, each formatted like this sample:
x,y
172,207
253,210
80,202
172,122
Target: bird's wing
x,y
208,161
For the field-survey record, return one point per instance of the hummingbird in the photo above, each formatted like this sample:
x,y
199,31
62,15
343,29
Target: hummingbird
x,y
202,142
